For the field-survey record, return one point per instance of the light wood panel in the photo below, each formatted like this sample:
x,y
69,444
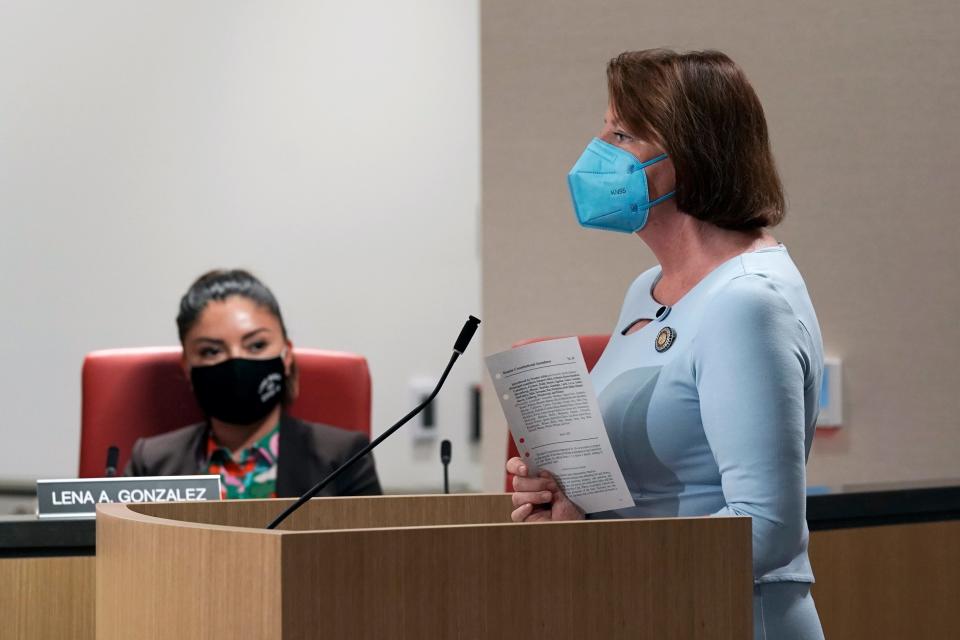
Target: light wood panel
x,y
343,512
156,579
47,598
678,577
891,582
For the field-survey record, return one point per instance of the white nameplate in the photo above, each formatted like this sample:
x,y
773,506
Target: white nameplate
x,y
78,498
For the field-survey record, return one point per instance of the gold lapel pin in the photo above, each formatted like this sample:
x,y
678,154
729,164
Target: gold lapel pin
x,y
665,339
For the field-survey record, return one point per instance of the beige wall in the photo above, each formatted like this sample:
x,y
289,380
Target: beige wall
x,y
863,102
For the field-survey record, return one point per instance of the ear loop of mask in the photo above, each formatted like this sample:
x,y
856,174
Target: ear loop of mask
x,y
660,199
655,160
644,165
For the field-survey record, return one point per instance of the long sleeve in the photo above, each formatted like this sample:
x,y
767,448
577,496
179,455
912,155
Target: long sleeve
x,y
751,361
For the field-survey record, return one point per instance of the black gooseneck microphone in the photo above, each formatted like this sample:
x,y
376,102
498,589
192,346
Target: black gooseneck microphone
x,y
113,455
469,328
445,459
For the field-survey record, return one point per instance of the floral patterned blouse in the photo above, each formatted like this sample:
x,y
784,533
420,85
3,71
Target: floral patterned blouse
x,y
251,473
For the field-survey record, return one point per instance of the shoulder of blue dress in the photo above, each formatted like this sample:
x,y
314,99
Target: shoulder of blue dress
x,y
774,259
750,300
750,286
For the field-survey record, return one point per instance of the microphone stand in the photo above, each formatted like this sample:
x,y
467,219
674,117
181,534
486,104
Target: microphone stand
x,y
469,328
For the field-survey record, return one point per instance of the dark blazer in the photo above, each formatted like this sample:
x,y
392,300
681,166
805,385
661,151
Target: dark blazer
x,y
308,453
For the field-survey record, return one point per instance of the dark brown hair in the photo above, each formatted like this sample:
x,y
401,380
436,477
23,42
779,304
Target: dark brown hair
x,y
220,284
701,109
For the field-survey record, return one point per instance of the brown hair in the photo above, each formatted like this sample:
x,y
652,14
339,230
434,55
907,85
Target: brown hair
x,y
701,109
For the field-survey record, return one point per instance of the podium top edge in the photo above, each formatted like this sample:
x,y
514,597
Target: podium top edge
x,y
130,512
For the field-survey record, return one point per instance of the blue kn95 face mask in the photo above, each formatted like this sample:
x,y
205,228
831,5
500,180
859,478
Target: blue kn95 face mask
x,y
609,188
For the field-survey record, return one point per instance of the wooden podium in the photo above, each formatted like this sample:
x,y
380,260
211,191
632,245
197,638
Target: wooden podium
x,y
424,567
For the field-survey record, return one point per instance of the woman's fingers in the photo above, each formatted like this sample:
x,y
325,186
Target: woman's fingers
x,y
538,498
520,513
531,484
540,515
528,513
516,467
532,497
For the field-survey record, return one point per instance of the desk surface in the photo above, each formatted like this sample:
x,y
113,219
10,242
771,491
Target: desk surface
x,y
869,505
827,508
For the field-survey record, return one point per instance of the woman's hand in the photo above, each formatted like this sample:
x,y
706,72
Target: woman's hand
x,y
538,498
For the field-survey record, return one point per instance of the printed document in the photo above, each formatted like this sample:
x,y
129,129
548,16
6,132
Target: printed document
x,y
551,407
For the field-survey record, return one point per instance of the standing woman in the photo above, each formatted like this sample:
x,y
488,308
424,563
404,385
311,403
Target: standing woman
x,y
241,367
709,387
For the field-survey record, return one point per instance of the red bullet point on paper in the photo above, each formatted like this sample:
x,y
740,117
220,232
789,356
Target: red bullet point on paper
x,y
527,454
522,440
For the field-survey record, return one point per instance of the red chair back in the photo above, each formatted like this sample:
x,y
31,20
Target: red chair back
x,y
135,393
592,348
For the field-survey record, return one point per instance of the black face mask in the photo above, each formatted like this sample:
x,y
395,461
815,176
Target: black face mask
x,y
239,390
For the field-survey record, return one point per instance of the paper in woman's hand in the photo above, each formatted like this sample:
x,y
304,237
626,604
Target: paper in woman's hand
x,y
551,407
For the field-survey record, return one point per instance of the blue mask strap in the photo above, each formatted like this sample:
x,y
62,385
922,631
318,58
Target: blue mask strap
x,y
651,161
661,199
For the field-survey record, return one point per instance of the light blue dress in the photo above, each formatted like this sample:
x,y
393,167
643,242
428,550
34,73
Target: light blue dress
x,y
711,408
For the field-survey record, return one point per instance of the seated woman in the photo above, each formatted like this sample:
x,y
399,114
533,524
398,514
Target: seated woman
x,y
240,363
